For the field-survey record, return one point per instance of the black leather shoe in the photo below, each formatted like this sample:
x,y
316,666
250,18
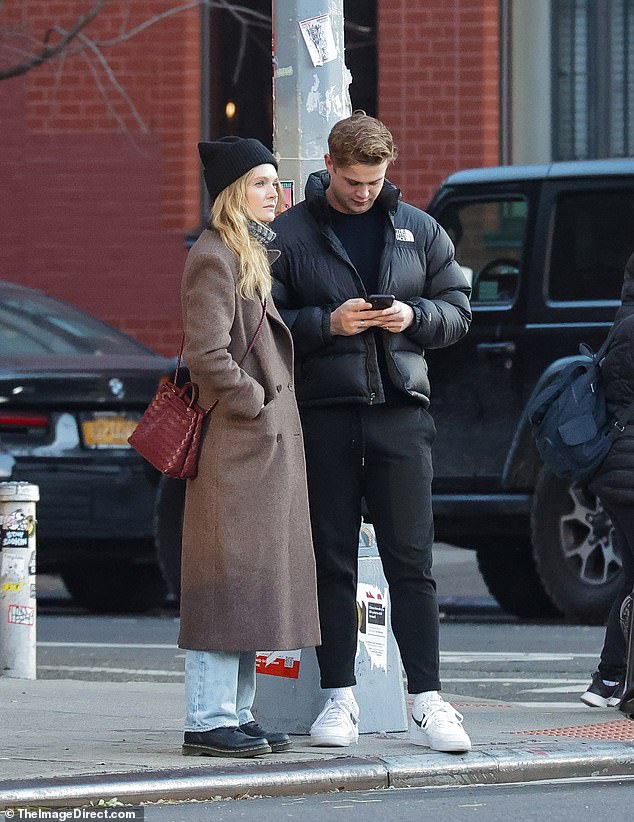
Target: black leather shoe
x,y
278,742
229,741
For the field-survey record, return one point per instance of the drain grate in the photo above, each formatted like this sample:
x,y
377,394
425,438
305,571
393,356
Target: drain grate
x,y
620,730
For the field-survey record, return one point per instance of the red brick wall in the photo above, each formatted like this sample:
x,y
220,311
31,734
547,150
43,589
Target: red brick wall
x,y
102,180
101,162
438,88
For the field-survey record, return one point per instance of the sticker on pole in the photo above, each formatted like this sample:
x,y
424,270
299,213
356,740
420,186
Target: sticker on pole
x,y
14,566
278,663
319,38
21,615
372,610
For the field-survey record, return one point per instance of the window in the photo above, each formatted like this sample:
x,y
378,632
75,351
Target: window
x,y
592,240
489,240
593,79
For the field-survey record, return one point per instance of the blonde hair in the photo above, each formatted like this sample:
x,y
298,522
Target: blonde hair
x,y
230,215
361,139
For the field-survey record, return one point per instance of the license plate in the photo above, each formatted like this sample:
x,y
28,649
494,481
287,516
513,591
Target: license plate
x,y
108,430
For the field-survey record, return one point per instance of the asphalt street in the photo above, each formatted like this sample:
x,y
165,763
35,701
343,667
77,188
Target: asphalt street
x,y
558,802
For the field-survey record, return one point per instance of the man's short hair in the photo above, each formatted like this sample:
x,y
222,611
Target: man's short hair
x,y
361,139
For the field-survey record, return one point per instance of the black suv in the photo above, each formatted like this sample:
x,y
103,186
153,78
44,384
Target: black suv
x,y
545,248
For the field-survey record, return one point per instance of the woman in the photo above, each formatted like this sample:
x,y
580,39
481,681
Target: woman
x,y
614,485
248,575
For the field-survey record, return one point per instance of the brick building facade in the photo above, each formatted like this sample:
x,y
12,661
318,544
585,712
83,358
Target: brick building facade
x,y
439,88
98,163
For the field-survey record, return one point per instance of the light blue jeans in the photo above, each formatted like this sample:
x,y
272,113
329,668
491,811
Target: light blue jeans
x,y
219,688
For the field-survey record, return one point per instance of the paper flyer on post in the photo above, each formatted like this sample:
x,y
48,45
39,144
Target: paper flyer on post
x,y
372,607
319,38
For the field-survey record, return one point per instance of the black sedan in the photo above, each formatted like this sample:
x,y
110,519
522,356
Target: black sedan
x,y
71,391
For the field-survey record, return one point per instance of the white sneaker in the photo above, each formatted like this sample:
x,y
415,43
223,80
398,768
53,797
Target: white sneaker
x,y
440,728
337,725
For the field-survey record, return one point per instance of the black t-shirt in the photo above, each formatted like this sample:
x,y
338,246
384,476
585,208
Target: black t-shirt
x,y
363,237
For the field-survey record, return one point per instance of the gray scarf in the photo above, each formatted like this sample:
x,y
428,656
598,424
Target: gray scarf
x,y
262,233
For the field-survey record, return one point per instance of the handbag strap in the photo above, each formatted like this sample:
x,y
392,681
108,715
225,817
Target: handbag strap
x,y
246,353
255,336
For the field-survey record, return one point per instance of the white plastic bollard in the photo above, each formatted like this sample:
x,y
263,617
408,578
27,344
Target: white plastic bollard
x,y
17,579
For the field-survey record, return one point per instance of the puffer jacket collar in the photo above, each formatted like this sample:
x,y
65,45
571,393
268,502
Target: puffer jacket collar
x,y
317,203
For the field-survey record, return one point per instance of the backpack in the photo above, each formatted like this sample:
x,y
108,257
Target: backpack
x,y
572,427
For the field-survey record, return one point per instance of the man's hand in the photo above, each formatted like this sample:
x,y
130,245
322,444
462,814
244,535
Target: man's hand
x,y
355,316
397,318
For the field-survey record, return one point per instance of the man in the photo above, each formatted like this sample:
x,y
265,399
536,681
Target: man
x,y
363,393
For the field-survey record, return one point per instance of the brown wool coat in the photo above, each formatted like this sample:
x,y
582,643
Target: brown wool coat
x,y
248,573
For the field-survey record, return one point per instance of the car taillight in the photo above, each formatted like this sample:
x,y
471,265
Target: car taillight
x,y
22,421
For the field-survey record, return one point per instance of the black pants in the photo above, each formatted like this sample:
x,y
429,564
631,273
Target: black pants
x,y
614,654
383,454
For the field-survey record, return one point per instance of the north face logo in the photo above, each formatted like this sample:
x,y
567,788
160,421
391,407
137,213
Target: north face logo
x,y
405,235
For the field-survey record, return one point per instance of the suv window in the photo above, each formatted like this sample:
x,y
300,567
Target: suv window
x,y
593,234
489,240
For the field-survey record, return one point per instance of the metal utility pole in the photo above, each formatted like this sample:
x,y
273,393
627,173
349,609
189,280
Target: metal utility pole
x,y
310,85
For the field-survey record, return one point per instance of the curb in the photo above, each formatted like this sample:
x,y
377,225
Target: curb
x,y
526,763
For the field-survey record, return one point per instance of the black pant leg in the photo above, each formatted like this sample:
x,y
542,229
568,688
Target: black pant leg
x,y
333,466
397,487
613,655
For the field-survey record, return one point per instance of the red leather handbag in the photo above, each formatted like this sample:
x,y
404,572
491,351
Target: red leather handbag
x,y
169,432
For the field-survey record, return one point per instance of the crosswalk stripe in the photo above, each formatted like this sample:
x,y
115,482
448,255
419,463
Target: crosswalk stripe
x,y
453,657
104,670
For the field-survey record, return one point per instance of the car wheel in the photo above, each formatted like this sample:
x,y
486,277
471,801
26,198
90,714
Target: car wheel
x,y
170,503
511,577
574,549
118,587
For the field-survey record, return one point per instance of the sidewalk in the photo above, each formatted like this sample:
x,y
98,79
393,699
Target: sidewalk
x,y
70,742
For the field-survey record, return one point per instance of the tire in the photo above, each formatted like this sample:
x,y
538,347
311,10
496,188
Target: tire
x,y
170,503
511,577
117,587
575,553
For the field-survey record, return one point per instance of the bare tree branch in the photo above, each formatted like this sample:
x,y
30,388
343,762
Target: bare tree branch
x,y
30,52
116,85
71,44
48,52
243,14
241,51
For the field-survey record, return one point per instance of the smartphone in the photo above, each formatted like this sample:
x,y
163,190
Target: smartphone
x,y
380,301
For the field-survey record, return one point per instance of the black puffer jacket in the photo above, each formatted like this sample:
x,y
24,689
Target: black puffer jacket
x,y
614,481
314,276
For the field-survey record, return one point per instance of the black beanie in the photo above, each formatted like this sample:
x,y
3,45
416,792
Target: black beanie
x,y
227,159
